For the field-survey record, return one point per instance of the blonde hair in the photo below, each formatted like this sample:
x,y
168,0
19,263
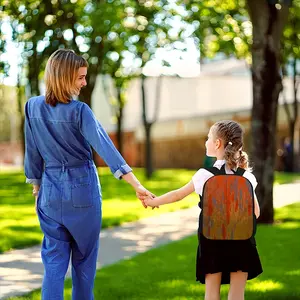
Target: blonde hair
x,y
231,133
60,75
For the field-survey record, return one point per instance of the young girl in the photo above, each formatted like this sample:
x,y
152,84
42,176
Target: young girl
x,y
221,261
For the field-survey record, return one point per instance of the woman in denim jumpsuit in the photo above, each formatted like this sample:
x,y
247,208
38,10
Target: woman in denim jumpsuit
x,y
59,133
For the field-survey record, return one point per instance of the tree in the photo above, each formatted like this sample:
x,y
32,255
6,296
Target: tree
x,y
220,27
143,32
290,58
93,29
115,65
40,28
45,26
152,24
268,20
223,26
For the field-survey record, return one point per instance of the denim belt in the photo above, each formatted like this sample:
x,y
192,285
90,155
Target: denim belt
x,y
65,166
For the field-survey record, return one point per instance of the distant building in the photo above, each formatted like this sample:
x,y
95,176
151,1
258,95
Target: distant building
x,y
187,109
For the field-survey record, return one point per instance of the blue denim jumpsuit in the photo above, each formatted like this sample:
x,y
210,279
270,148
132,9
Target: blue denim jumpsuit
x,y
58,157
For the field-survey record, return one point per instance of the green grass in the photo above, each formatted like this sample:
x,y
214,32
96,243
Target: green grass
x,y
282,178
168,272
19,226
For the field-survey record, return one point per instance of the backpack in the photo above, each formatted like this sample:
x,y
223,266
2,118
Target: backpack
x,y
227,206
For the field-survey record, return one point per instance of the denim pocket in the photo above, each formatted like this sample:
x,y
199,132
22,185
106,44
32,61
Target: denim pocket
x,y
81,195
45,195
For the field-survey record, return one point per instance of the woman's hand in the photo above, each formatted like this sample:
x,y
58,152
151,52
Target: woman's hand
x,y
35,193
36,203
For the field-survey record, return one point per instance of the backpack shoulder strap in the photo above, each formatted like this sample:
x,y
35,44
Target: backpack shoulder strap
x,y
222,170
213,170
240,171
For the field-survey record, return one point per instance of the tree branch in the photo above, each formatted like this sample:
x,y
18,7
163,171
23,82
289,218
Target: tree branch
x,y
157,98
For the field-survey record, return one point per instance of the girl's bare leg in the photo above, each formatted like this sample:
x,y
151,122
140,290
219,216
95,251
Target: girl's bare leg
x,y
212,286
237,285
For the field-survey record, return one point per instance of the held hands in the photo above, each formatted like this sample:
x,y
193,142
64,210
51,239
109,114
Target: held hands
x,y
143,194
149,201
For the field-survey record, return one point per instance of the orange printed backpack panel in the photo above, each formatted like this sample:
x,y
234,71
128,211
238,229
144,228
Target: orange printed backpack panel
x,y
228,208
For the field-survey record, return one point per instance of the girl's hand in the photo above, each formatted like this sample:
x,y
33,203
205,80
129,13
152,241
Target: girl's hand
x,y
149,201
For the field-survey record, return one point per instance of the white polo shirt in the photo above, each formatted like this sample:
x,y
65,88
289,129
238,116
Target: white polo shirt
x,y
202,175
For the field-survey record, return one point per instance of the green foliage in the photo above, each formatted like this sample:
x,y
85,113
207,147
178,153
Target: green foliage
x,y
104,32
282,178
291,34
168,272
221,26
225,27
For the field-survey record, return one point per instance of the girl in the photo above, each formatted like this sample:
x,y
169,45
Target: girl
x,y
59,133
228,261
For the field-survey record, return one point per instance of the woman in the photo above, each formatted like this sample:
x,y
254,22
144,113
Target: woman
x,y
59,133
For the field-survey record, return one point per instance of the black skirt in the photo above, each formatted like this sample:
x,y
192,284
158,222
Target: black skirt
x,y
226,256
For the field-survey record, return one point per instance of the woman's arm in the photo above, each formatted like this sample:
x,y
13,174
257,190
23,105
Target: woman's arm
x,y
98,138
132,180
141,192
33,162
172,196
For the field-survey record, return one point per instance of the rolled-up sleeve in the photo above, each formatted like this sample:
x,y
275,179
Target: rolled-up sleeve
x,y
33,162
97,137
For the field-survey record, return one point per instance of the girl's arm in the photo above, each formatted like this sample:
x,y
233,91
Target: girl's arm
x,y
256,207
172,196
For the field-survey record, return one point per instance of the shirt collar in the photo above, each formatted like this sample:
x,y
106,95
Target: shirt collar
x,y
219,163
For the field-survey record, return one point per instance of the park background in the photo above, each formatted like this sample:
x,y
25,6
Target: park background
x,y
160,74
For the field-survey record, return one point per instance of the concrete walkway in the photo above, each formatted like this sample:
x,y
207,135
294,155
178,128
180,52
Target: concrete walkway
x,y
21,270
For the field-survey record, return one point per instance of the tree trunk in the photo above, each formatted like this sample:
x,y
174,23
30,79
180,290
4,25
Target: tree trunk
x,y
33,74
148,147
290,153
292,139
147,127
22,117
294,158
120,120
268,23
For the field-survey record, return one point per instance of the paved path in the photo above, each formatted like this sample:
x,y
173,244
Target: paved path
x,y
21,270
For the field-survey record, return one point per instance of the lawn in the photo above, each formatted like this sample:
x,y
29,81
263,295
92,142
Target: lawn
x,y
168,272
19,226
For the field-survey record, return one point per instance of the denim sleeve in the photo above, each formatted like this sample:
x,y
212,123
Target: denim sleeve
x,y
33,162
97,137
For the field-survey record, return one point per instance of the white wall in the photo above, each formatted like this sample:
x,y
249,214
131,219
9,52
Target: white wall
x,y
181,99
